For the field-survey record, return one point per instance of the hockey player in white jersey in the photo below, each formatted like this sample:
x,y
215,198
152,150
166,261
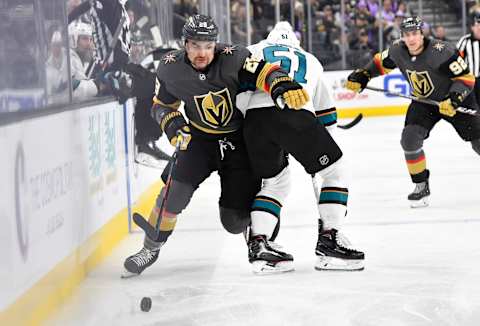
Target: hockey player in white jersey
x,y
271,134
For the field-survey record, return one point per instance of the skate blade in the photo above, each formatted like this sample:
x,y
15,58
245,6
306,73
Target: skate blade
x,y
338,264
262,267
419,203
126,274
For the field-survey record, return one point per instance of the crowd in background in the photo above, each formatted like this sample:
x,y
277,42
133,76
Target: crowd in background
x,y
361,39
363,21
367,28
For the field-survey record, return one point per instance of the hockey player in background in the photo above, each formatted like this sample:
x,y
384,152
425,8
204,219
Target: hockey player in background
x,y
270,134
435,70
147,132
206,76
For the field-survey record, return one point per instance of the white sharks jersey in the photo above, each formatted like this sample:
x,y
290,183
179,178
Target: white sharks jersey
x,y
301,66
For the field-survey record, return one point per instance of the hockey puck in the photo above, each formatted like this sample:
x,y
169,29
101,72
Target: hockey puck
x,y
146,304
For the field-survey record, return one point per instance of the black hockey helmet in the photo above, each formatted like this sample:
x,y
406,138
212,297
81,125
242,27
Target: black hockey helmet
x,y
200,28
413,23
474,18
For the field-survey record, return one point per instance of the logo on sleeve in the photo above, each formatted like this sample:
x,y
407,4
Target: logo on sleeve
x,y
420,82
439,46
229,49
169,58
215,108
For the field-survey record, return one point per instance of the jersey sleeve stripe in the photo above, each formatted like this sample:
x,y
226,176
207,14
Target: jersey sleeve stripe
x,y
175,105
377,60
468,80
262,76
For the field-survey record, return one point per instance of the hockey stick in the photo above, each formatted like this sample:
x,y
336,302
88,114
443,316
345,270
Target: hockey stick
x,y
150,231
422,100
352,123
116,35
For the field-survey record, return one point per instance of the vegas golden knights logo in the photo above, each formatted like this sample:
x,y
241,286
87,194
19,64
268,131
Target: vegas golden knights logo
x,y
420,82
215,108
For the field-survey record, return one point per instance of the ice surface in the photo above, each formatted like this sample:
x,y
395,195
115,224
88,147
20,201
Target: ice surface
x,y
422,265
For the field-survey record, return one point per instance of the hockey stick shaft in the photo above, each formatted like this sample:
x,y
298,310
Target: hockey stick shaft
x,y
167,187
113,44
154,232
421,100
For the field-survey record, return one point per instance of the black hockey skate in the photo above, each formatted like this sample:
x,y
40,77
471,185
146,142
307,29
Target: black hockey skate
x,y
419,196
334,252
137,263
150,155
267,257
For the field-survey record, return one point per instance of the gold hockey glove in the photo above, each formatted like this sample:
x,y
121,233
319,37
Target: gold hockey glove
x,y
184,136
446,108
294,95
357,80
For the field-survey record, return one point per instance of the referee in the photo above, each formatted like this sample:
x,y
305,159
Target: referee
x,y
469,47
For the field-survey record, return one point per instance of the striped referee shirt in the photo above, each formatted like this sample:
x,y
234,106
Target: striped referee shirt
x,y
470,49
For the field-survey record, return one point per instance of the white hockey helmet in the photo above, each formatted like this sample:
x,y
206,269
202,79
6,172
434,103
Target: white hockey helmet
x,y
77,29
283,33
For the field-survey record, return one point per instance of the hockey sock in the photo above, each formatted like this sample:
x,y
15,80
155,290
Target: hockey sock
x,y
265,215
167,223
333,197
417,165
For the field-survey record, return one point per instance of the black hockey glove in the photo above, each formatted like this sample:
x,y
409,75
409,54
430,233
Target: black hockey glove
x,y
357,80
143,81
114,83
294,95
456,99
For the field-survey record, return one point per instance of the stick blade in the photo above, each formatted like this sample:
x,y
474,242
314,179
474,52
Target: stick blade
x,y
352,123
143,224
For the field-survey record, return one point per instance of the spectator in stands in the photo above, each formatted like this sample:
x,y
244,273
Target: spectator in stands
x,y
326,27
403,9
81,62
361,49
439,33
387,13
393,31
427,31
56,68
372,6
239,23
362,10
